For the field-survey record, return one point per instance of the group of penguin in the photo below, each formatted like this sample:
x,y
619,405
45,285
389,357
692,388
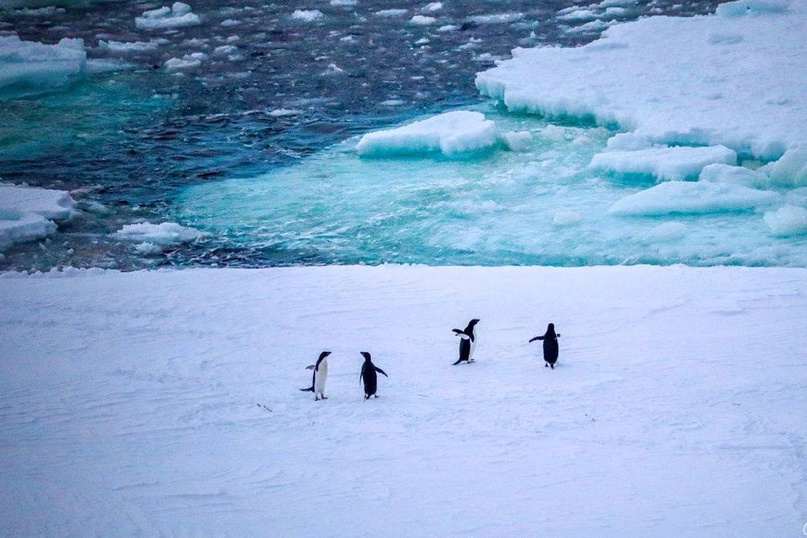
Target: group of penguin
x,y
369,371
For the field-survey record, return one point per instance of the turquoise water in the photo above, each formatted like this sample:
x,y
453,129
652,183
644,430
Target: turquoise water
x,y
543,205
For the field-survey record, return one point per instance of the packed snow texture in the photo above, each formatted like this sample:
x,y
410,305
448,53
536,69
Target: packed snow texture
x,y
39,67
179,15
708,80
28,214
166,403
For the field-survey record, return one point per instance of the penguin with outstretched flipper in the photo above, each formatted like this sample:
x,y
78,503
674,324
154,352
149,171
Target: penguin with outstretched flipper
x,y
550,339
319,377
369,376
467,342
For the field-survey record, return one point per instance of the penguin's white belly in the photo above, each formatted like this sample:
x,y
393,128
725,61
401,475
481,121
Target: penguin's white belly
x,y
473,348
321,377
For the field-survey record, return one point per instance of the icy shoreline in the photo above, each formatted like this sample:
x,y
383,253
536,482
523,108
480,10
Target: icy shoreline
x,y
167,402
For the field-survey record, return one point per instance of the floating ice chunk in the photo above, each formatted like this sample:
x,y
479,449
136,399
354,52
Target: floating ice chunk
x,y
391,12
451,133
307,15
566,218
344,3
517,141
738,175
577,15
618,3
554,133
166,234
124,47
744,8
179,15
225,49
188,61
667,231
39,67
434,6
283,112
788,220
665,163
497,18
48,11
423,20
790,169
28,214
692,198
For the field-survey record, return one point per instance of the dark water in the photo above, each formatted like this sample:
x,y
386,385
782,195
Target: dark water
x,y
124,142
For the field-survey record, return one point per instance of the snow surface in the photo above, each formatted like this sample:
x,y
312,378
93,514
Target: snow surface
x,y
709,80
28,214
167,403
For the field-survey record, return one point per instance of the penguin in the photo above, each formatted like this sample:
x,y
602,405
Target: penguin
x,y
319,377
369,376
550,345
467,342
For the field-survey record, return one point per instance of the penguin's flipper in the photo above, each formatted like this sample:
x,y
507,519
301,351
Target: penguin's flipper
x,y
310,366
457,331
380,371
310,389
536,338
456,363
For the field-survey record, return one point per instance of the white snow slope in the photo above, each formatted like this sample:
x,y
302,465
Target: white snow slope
x,y
167,403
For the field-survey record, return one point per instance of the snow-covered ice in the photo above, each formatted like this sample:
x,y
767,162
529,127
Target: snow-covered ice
x,y
452,133
163,234
693,198
179,15
167,403
28,214
40,67
708,80
664,163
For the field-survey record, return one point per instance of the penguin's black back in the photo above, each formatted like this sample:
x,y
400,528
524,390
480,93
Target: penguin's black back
x,y
551,349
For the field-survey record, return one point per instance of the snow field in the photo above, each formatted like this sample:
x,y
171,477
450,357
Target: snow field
x,y
167,402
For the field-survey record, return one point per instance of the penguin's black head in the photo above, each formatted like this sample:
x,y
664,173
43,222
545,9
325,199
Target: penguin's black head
x,y
365,355
551,328
324,354
473,322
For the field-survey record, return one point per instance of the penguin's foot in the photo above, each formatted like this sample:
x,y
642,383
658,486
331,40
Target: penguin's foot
x,y
375,396
545,365
552,366
470,361
366,396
